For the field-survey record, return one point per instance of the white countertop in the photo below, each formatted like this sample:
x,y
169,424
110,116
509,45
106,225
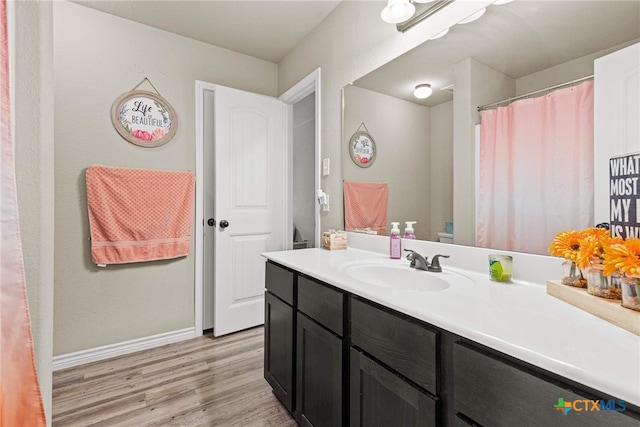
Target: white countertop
x,y
517,318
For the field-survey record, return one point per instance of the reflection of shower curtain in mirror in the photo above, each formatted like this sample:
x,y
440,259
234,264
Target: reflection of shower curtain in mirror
x,y
20,401
536,170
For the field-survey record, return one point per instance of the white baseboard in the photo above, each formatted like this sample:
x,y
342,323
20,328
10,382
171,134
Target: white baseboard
x,y
118,349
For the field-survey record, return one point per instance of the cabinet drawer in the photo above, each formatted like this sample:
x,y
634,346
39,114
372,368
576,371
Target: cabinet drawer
x,y
280,282
321,303
404,346
379,398
494,392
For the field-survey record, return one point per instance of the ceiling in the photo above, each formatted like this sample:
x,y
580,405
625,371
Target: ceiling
x,y
264,29
517,39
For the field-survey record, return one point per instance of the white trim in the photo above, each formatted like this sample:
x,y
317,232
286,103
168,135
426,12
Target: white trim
x,y
300,90
199,233
118,349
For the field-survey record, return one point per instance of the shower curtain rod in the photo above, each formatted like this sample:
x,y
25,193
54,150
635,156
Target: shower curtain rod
x,y
510,100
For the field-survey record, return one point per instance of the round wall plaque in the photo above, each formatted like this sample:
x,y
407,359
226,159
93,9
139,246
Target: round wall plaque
x,y
144,118
362,149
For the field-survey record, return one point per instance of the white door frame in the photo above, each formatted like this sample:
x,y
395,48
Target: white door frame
x,y
306,86
299,91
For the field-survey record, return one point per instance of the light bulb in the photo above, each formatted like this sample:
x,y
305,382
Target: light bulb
x,y
423,91
397,11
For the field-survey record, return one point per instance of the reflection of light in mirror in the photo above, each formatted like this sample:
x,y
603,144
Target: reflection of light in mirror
x,y
427,1
499,2
423,91
473,16
440,34
397,11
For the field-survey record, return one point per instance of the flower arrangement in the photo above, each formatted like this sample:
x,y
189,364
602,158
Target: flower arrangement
x,y
614,263
623,257
568,244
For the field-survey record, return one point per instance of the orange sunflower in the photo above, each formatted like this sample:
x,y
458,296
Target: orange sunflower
x,y
566,244
591,245
624,257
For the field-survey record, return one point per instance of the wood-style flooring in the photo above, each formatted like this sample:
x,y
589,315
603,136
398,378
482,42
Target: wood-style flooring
x,y
205,381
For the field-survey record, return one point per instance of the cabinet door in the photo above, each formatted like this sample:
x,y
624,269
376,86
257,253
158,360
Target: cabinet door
x,y
379,398
279,349
319,381
496,393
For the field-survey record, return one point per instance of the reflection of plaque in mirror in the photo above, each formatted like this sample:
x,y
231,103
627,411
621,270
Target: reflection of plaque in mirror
x,y
362,148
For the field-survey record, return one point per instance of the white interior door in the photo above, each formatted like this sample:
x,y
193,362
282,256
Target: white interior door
x,y
250,203
616,112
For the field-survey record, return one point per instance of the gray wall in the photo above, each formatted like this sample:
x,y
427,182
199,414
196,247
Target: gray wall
x,y
401,130
347,48
441,158
304,144
97,58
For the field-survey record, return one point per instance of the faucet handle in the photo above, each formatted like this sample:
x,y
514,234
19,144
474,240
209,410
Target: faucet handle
x,y
410,256
435,263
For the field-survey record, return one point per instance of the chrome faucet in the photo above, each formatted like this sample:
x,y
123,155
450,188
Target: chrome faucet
x,y
420,263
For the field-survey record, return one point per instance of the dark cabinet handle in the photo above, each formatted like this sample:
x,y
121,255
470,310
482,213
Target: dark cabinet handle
x,y
211,222
224,224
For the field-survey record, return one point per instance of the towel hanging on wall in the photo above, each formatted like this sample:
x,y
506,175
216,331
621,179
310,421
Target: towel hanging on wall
x,y
139,215
365,206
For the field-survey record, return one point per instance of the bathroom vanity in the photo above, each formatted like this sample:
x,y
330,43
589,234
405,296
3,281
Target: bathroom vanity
x,y
344,345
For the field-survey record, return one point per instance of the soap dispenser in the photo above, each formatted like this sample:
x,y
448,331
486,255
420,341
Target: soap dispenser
x,y
396,243
408,230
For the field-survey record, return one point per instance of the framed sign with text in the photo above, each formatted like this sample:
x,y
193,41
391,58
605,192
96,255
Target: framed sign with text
x,y
144,118
362,149
624,191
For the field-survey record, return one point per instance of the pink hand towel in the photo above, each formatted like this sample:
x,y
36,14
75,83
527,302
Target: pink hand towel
x,y
365,206
139,215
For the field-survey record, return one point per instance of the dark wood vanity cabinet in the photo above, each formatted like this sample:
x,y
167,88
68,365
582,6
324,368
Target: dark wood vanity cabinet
x,y
279,333
333,359
320,355
393,369
494,391
381,398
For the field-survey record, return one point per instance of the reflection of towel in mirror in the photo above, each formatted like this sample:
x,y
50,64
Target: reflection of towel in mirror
x,y
139,215
365,206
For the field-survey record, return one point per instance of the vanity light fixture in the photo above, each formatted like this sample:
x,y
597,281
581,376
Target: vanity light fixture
x,y
397,11
423,91
473,16
431,1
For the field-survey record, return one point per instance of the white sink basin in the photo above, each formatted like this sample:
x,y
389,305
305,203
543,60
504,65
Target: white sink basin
x,y
397,275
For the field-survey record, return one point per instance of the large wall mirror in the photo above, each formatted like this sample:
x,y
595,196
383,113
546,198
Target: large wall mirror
x,y
533,44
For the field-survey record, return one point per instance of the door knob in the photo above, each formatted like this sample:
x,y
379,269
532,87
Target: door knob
x,y
224,224
211,222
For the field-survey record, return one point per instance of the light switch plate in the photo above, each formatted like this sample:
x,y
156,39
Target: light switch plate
x,y
326,166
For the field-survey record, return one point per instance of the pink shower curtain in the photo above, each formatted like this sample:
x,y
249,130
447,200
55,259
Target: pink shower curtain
x,y
536,170
20,400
